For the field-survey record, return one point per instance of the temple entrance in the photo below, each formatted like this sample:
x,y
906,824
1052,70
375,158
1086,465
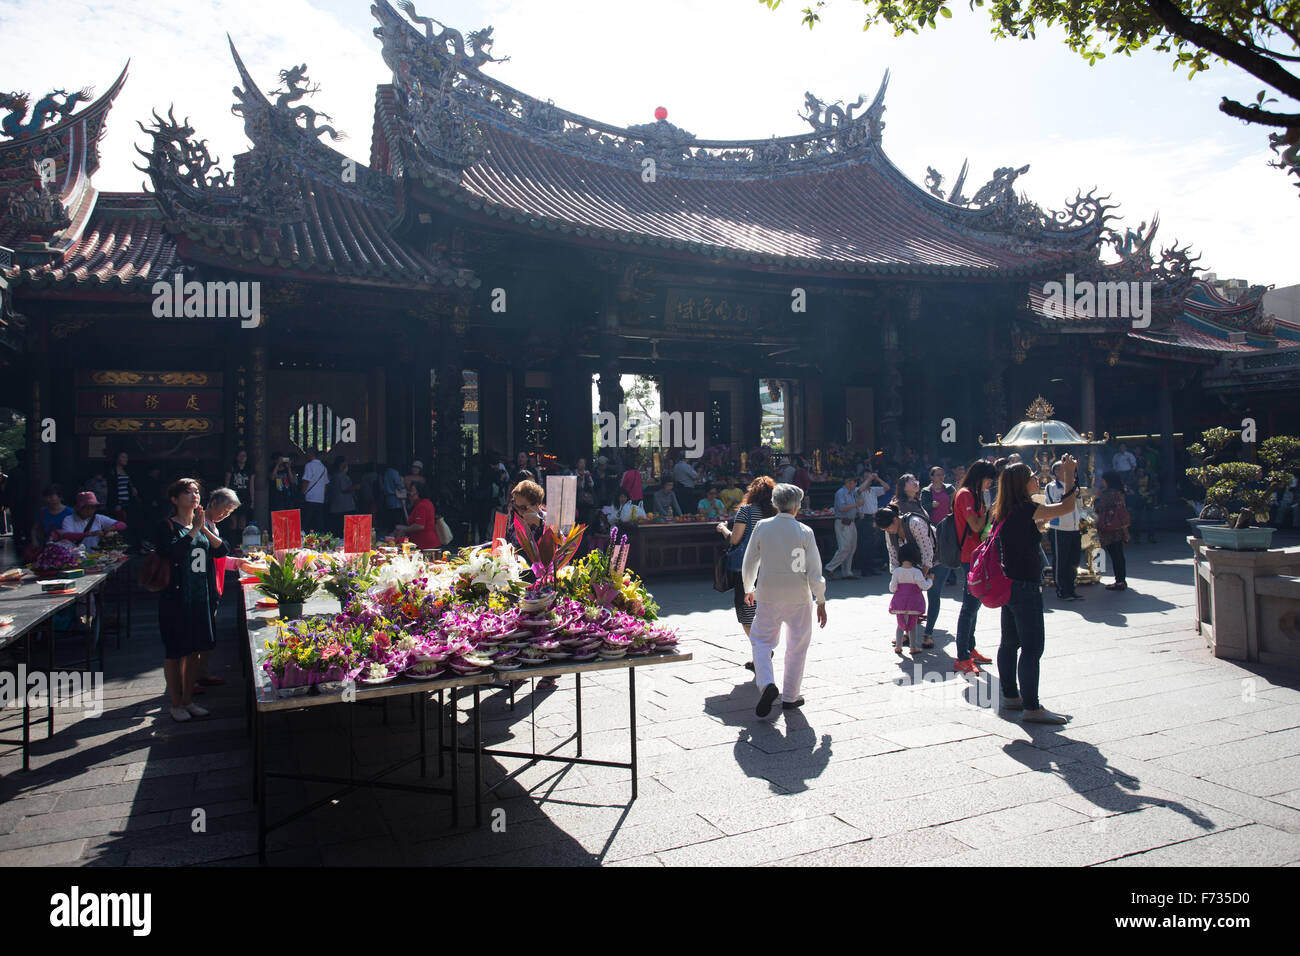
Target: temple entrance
x,y
326,411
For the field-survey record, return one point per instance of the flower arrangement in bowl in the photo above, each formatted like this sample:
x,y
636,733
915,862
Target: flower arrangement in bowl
x,y
320,541
290,581
57,557
345,578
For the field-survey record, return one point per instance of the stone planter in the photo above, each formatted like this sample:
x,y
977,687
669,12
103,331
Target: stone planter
x,y
1248,603
1237,539
1196,524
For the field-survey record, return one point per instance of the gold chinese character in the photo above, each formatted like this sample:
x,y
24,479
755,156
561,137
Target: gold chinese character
x,y
192,403
151,401
110,400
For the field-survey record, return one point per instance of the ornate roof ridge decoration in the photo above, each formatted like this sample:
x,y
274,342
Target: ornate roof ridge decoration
x,y
1246,314
997,208
446,94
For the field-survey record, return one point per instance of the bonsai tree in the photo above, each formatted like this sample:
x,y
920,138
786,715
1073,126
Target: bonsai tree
x,y
1228,483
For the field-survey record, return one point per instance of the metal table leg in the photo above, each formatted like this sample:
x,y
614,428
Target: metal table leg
x,y
424,735
442,716
49,680
478,761
577,688
259,773
631,696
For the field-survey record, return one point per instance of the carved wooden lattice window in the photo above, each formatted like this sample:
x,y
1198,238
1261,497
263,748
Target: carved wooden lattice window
x,y
315,427
537,423
719,418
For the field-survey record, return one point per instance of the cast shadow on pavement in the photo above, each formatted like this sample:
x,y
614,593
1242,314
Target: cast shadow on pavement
x,y
788,744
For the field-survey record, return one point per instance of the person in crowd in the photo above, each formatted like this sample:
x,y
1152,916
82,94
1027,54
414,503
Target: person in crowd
x,y
1142,501
283,482
731,494
936,500
586,498
906,582
85,526
754,507
239,479
51,516
1066,539
907,497
972,517
787,472
783,590
685,478
1023,634
665,501
710,505
626,511
422,523
485,495
394,494
631,482
1123,464
413,474
121,497
221,505
871,545
368,495
521,461
341,495
1113,527
802,476
526,501
191,545
315,480
958,475
846,532
606,482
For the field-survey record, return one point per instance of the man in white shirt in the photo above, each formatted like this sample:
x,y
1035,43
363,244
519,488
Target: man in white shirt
x,y
1124,462
846,532
786,551
1065,539
870,491
314,479
684,478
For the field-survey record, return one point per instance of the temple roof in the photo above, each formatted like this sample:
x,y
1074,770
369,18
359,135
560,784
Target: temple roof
x,y
829,200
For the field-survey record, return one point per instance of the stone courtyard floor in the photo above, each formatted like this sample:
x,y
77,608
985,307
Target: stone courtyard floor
x,y
1172,757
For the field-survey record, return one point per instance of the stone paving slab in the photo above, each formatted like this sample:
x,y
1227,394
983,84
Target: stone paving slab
x,y
1173,757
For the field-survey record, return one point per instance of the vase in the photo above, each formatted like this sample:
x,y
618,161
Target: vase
x,y
290,610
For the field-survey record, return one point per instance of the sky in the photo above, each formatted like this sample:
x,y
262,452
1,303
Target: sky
x,y
724,69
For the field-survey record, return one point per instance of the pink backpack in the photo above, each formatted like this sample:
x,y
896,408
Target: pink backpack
x,y
987,581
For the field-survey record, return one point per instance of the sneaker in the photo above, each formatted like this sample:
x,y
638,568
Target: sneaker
x,y
180,714
966,667
770,694
196,711
979,658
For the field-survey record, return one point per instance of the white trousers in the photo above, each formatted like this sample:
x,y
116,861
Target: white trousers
x,y
765,634
846,541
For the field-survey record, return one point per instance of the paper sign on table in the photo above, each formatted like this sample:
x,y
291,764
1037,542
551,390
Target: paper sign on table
x,y
356,534
498,531
286,530
561,501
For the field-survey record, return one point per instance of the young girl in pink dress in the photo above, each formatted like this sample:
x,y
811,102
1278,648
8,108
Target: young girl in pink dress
x,y
908,603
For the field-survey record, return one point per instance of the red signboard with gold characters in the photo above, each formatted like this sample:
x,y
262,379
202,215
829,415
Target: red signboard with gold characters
x,y
121,402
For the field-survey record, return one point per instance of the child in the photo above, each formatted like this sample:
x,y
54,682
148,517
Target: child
x,y
908,603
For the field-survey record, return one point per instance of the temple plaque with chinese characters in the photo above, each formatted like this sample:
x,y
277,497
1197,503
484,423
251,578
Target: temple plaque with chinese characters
x,y
125,402
709,311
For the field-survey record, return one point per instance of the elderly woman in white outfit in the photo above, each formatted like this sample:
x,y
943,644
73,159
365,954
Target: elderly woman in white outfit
x,y
785,550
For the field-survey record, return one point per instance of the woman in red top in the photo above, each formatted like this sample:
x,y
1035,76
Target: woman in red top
x,y
422,528
971,516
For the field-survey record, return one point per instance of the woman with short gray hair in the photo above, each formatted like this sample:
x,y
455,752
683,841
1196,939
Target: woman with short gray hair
x,y
786,552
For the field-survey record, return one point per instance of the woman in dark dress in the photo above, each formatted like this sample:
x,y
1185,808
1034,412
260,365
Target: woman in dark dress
x,y
754,507
1018,521
239,479
191,546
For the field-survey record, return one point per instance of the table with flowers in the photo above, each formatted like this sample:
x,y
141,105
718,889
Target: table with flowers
x,y
407,626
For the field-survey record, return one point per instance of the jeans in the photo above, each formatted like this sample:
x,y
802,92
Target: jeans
x,y
970,606
1022,636
1065,560
936,592
1116,552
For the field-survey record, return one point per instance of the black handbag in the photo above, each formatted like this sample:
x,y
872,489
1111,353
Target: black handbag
x,y
723,579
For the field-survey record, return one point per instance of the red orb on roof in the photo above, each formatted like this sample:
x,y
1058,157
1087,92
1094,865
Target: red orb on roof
x,y
661,113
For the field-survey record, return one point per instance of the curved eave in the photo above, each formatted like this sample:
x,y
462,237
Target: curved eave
x,y
94,110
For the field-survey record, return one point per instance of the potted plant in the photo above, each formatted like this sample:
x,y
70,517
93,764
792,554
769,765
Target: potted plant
x,y
290,581
1238,493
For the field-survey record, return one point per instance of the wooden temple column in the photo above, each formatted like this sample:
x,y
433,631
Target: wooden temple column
x,y
448,400
751,410
1168,477
890,395
1087,396
571,409
995,392
611,391
258,452
40,470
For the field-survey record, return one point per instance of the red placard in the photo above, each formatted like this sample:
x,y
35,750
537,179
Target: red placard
x,y
498,531
286,529
356,534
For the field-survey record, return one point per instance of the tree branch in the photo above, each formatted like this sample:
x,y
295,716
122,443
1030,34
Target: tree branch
x,y
1261,67
1263,117
1288,30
